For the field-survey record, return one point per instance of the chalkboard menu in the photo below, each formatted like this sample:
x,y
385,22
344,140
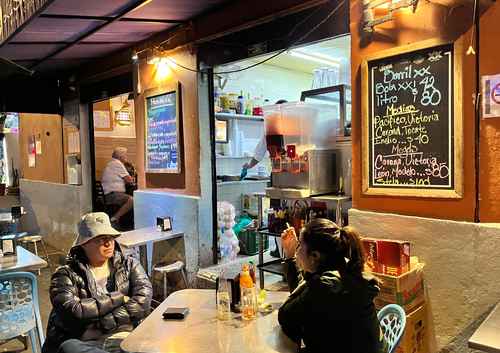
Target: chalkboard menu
x,y
162,139
412,144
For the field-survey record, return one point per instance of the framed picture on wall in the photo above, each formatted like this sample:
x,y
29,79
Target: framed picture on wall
x,y
103,120
162,120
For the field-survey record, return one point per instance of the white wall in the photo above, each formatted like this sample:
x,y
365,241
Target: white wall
x,y
462,266
272,82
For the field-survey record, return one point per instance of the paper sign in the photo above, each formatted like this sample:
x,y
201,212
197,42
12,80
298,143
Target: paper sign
x,y
491,96
74,142
31,151
38,144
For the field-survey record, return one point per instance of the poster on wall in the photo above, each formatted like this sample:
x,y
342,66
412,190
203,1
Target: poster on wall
x,y
102,120
491,96
412,124
31,151
162,132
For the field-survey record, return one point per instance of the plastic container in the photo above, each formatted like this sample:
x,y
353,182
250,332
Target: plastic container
x,y
305,125
249,240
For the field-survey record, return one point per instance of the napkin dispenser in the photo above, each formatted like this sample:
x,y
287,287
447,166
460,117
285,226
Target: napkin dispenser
x,y
8,244
164,224
233,285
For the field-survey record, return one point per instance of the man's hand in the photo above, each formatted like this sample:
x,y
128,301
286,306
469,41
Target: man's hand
x,y
289,242
126,299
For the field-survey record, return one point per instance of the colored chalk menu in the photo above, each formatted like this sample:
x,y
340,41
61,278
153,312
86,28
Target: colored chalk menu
x,y
162,134
411,120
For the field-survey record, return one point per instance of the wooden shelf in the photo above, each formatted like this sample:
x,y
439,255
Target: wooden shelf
x,y
230,116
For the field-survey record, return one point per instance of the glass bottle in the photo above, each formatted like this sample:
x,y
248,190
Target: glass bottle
x,y
223,300
248,295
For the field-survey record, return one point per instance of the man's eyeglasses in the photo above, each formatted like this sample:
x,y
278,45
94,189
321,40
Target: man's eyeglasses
x,y
104,239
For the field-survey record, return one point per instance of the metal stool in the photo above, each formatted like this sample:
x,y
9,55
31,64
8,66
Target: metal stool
x,y
166,269
34,239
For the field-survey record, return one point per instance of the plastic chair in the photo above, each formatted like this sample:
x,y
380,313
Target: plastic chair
x,y
392,320
19,309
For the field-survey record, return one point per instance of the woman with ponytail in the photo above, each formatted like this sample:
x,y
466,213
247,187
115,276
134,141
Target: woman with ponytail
x,y
330,308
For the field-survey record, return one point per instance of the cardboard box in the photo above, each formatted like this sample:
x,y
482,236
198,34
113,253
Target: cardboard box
x,y
417,333
394,256
371,254
406,290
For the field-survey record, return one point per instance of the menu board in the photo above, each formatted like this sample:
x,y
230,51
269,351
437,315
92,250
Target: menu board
x,y
411,124
162,140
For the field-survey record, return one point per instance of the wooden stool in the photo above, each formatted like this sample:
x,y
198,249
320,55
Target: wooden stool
x,y
34,239
166,269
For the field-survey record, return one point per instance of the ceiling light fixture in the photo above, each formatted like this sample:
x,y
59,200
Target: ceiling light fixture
x,y
316,57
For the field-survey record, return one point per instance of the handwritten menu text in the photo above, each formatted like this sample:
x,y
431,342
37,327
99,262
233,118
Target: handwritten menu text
x,y
411,120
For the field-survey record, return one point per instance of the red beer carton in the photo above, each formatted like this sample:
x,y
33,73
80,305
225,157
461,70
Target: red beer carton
x,y
371,254
394,256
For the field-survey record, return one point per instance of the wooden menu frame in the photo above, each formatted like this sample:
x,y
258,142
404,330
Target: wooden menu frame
x,y
174,89
457,190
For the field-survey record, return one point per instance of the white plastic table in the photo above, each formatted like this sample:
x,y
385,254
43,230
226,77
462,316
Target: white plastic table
x,y
487,336
201,331
146,237
24,261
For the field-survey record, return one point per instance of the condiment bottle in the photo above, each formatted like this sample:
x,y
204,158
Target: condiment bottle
x,y
248,295
240,104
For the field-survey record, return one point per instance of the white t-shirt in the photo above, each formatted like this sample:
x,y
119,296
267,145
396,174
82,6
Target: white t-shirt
x,y
112,177
260,149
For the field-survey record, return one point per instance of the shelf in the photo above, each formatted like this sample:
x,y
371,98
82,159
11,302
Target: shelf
x,y
326,198
266,232
275,266
232,157
232,116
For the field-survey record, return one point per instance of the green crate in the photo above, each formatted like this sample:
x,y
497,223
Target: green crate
x,y
249,242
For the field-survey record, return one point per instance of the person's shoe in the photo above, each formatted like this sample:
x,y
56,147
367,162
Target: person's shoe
x,y
275,253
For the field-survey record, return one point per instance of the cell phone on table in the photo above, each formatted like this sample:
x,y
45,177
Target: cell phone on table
x,y
172,313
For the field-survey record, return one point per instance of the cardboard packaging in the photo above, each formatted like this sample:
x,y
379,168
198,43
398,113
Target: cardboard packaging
x,y
394,256
416,337
371,255
406,290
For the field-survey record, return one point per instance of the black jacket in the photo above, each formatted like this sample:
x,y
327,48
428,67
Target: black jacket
x,y
331,313
76,305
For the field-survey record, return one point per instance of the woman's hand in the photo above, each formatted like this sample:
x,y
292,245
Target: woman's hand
x,y
289,242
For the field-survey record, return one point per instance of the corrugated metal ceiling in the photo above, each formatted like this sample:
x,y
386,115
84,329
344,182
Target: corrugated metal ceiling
x,y
67,33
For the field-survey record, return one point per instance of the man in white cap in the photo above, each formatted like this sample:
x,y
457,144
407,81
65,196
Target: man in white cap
x,y
99,293
114,179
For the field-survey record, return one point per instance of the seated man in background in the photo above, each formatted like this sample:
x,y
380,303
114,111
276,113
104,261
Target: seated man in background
x,y
99,293
114,179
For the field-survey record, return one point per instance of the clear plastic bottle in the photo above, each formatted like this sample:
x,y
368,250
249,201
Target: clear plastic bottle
x,y
248,295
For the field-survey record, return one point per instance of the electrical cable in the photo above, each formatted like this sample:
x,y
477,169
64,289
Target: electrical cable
x,y
330,14
477,120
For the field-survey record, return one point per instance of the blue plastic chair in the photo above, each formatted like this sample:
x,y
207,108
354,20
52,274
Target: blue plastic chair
x,y
19,308
392,320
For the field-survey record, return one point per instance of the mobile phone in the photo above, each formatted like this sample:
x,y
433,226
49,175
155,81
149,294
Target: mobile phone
x,y
175,313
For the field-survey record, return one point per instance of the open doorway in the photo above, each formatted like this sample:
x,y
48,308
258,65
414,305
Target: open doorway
x,y
114,158
313,72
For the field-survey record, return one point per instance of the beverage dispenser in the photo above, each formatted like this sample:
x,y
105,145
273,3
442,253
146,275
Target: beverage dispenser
x,y
300,139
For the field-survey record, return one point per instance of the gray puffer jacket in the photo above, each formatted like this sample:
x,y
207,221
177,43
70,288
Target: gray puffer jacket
x,y
77,306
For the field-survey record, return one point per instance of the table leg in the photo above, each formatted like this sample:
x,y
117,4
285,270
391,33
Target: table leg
x,y
338,214
261,259
143,253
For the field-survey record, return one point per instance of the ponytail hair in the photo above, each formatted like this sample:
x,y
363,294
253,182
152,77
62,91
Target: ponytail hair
x,y
339,248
